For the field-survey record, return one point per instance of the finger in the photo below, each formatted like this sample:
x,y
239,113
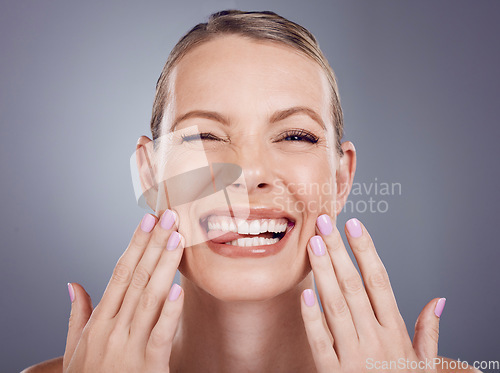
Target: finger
x,y
155,294
159,346
349,280
112,298
374,274
325,357
425,340
81,309
143,271
337,313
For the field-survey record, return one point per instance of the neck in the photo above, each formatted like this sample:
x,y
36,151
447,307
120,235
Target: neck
x,y
264,336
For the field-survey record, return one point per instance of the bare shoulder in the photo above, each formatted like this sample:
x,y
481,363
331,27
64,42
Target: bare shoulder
x,y
454,366
48,366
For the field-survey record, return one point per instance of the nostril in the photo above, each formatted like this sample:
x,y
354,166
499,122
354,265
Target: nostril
x,y
262,185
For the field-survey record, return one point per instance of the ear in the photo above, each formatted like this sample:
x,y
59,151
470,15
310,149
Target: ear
x,y
345,174
145,164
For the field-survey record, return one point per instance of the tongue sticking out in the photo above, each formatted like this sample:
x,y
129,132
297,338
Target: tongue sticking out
x,y
221,237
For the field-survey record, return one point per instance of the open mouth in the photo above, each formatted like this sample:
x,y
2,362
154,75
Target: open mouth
x,y
245,233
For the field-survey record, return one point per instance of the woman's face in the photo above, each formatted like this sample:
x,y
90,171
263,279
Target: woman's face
x,y
272,118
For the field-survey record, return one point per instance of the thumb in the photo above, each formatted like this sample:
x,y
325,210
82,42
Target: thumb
x,y
81,309
425,341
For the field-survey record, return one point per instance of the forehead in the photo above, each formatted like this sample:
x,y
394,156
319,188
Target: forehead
x,y
237,74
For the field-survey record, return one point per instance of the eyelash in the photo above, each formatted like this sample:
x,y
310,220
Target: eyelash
x,y
201,136
301,134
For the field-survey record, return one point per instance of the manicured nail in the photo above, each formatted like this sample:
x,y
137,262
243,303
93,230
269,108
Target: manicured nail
x,y
167,219
324,224
439,307
174,293
308,295
71,292
147,223
354,227
318,245
173,240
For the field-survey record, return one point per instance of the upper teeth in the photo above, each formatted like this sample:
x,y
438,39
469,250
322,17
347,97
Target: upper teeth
x,y
228,224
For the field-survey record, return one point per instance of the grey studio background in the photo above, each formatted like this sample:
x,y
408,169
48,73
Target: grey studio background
x,y
419,86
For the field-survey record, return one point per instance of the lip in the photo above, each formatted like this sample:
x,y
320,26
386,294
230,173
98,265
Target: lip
x,y
231,251
253,213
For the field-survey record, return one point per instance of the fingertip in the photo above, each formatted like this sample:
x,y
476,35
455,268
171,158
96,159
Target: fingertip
x,y
353,227
71,292
81,297
438,310
175,292
308,297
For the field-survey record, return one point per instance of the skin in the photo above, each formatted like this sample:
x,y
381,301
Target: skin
x,y
267,326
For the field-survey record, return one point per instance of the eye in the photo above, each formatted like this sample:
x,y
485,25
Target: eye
x,y
298,135
201,136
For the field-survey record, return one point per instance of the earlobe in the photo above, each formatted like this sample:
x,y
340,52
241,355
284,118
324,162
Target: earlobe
x,y
145,165
345,174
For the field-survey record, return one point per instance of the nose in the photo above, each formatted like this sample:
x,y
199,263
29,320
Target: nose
x,y
257,170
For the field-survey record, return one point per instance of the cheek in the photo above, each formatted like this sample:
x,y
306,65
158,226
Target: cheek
x,y
309,188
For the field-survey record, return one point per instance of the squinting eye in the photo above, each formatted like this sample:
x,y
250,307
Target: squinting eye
x,y
201,136
298,135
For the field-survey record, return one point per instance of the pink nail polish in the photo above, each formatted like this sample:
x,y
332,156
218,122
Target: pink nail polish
x,y
71,292
439,307
354,228
174,293
167,219
325,225
147,223
318,245
173,241
308,295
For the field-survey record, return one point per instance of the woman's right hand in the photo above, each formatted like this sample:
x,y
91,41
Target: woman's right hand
x,y
133,327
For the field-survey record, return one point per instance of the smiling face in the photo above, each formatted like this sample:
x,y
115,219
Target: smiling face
x,y
265,107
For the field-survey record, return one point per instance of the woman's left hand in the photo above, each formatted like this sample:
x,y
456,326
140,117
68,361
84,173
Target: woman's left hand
x,y
365,330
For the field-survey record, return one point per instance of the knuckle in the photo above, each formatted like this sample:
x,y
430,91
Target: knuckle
x,y
431,331
121,273
159,338
140,278
352,285
379,280
337,241
322,346
149,300
115,338
338,307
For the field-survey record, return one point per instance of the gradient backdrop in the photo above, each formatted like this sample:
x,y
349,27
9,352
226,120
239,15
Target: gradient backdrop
x,y
419,82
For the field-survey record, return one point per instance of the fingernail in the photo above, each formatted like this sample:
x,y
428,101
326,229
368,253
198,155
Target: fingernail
x,y
173,240
318,246
174,293
354,227
71,292
324,224
147,223
167,219
439,307
308,295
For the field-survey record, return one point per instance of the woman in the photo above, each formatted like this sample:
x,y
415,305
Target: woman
x,y
250,89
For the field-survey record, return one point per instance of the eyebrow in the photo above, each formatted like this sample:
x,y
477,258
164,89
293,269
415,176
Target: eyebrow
x,y
276,117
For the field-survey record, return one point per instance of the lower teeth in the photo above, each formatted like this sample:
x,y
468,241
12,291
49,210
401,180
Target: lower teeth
x,y
253,241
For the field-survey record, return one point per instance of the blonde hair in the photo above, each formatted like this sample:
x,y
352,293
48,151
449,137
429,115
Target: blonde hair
x,y
263,25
